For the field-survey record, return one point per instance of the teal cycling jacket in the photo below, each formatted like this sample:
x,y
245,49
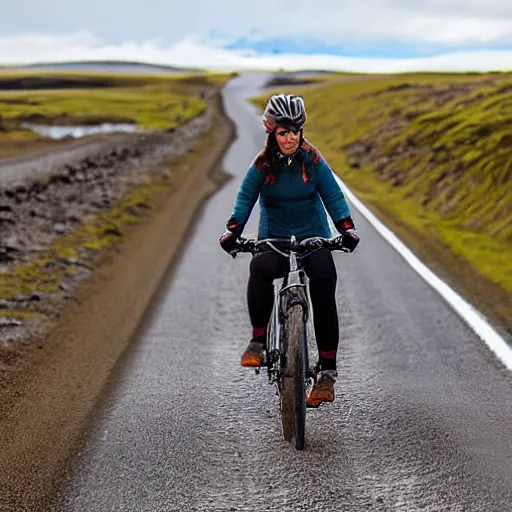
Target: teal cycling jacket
x,y
292,198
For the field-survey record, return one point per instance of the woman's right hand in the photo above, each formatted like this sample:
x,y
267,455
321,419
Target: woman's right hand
x,y
227,241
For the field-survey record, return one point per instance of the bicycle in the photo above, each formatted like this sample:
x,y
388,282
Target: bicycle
x,y
286,355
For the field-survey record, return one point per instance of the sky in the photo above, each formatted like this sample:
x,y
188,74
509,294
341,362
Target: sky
x,y
374,33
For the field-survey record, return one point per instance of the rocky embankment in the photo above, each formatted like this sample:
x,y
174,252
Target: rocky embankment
x,y
51,383
42,198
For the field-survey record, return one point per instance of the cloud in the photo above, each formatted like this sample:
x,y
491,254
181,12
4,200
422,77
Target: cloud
x,y
447,22
431,21
434,30
24,49
453,22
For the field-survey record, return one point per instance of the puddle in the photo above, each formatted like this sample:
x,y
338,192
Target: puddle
x,y
60,132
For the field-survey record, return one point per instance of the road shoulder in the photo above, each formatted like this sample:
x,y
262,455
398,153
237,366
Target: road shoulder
x,y
46,404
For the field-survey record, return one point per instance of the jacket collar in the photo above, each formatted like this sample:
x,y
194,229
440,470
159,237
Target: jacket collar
x,y
287,159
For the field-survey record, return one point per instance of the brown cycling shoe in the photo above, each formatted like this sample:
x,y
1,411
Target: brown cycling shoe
x,y
253,355
323,389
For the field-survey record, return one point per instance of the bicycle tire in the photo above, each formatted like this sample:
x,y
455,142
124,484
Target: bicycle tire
x,y
293,395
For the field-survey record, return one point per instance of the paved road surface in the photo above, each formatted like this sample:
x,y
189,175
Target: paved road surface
x,y
422,421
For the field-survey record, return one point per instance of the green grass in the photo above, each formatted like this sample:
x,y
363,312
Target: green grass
x,y
87,242
153,102
150,106
150,101
439,159
90,79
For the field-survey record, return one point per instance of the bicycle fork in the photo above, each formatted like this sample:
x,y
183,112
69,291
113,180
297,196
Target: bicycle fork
x,y
287,293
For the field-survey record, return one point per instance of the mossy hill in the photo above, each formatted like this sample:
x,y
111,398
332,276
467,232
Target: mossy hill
x,y
161,101
431,154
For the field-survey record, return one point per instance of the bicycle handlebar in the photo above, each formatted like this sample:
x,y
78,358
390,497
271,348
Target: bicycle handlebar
x,y
304,247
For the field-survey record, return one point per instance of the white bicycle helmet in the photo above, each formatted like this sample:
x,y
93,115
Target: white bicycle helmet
x,y
287,109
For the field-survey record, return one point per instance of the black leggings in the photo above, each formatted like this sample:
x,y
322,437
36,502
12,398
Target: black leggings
x,y
319,266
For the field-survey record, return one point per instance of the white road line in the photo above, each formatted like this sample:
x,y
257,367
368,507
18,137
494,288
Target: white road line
x,y
468,313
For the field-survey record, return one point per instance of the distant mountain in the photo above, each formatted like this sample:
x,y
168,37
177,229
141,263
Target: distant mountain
x,y
258,42
333,44
284,45
112,66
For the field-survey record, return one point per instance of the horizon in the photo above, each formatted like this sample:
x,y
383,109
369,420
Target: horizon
x,y
190,55
370,36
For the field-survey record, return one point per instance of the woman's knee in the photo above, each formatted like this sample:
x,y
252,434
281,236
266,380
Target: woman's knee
x,y
266,266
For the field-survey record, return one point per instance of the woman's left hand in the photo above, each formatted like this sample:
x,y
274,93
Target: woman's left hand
x,y
350,239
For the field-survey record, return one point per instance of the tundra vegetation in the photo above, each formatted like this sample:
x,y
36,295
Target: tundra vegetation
x,y
59,98
34,279
431,155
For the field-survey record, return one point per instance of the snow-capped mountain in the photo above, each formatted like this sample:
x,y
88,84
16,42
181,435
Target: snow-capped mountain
x,y
217,39
278,45
257,42
214,39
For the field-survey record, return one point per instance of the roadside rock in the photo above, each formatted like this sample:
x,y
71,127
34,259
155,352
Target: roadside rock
x,y
89,184
9,322
59,228
44,197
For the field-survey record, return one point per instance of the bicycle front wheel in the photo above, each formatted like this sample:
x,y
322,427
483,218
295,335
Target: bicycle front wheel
x,y
293,394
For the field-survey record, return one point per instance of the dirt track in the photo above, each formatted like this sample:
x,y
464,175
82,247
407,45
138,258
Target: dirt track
x,y
40,425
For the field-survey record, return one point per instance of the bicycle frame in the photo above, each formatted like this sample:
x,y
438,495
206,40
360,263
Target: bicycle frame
x,y
287,353
289,291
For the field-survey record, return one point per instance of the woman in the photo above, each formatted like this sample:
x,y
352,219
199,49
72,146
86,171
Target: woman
x,y
293,183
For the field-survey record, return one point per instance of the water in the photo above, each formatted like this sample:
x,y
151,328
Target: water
x,y
60,132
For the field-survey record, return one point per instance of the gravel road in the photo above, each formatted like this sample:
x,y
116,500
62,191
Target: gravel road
x,y
422,420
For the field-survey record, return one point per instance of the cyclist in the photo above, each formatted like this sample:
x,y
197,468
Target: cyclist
x,y
294,183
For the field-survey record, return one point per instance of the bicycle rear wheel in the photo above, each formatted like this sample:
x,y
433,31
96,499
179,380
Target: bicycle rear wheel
x,y
293,394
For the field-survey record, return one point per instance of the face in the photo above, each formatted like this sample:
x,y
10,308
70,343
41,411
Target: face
x,y
287,139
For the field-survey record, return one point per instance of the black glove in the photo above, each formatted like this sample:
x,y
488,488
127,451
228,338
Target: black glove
x,y
350,238
227,241
233,232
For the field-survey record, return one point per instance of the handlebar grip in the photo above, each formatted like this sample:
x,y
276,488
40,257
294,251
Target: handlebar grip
x,y
336,243
244,245
333,244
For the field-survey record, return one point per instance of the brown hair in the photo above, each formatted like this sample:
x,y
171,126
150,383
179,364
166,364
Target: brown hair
x,y
267,157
